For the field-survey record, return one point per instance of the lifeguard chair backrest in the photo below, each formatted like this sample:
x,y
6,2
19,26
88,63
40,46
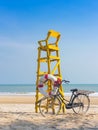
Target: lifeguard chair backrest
x,y
53,34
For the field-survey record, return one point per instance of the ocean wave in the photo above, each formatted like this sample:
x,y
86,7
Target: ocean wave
x,y
17,94
34,93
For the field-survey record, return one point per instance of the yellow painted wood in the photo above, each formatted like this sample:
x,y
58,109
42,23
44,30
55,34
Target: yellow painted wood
x,y
47,47
51,47
54,33
41,73
42,60
53,71
54,57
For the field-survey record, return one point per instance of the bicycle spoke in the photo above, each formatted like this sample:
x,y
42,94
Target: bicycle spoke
x,y
49,107
82,102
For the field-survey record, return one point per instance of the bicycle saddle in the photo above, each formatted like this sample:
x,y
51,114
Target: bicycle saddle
x,y
74,90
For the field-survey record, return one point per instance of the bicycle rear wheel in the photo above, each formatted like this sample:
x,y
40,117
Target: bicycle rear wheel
x,y
49,106
80,104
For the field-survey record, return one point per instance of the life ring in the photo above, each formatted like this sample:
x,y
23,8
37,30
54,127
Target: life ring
x,y
43,79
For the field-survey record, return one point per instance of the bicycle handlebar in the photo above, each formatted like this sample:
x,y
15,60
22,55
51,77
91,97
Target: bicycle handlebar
x,y
66,81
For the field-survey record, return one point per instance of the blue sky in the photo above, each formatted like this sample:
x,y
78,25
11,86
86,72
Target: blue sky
x,y
23,23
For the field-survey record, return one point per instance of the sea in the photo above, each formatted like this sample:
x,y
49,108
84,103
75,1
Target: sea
x,y
30,89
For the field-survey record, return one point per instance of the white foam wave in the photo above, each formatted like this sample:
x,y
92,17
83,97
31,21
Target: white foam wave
x,y
17,94
34,93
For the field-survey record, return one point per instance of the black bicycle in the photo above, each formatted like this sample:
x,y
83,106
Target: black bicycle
x,y
79,102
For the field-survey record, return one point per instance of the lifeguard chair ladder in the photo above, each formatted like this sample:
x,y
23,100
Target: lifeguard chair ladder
x,y
51,58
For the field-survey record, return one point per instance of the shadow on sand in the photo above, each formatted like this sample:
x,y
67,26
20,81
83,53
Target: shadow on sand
x,y
34,121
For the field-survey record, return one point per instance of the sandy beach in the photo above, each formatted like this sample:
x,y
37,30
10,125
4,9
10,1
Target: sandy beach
x,y
18,113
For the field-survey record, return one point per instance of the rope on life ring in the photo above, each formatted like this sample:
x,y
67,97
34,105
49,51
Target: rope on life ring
x,y
42,81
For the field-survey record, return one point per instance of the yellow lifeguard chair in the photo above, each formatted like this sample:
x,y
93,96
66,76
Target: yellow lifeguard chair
x,y
48,54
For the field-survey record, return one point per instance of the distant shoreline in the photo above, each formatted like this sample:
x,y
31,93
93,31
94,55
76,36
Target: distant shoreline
x,y
29,89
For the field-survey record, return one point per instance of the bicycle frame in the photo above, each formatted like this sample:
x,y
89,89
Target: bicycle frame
x,y
65,101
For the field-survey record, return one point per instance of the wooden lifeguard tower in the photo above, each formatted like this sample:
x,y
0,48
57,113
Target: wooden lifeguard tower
x,y
49,59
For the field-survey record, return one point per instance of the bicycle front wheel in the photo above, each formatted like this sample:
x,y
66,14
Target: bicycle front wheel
x,y
80,104
49,106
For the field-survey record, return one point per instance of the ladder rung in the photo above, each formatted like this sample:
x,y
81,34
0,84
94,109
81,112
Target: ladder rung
x,y
54,57
44,59
41,73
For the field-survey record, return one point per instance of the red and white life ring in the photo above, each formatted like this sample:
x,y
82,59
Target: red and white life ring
x,y
55,82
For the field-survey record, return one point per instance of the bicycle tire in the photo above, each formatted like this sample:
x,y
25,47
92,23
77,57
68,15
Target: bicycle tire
x,y
49,106
82,103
